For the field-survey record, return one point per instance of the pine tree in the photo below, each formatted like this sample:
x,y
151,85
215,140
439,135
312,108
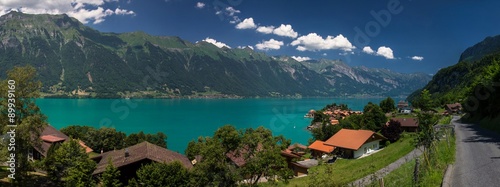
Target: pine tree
x,y
110,177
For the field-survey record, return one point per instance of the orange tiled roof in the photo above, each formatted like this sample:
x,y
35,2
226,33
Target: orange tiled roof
x,y
87,148
320,146
352,139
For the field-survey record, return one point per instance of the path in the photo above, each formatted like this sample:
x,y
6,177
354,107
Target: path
x,y
477,157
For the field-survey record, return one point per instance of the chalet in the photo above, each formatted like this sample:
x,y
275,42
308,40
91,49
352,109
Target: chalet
x,y
293,152
354,143
51,136
455,108
408,124
402,104
319,148
130,159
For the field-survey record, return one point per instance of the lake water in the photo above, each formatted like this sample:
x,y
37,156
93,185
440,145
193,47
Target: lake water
x,y
183,120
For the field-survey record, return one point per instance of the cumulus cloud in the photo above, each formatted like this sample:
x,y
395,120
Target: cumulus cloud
x,y
84,10
270,44
385,52
246,24
216,43
300,58
265,29
314,42
200,5
368,50
285,30
419,58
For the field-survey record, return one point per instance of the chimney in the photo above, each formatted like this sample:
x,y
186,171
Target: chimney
x,y
126,152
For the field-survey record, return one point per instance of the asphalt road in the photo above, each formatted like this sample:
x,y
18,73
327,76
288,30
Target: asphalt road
x,y
477,157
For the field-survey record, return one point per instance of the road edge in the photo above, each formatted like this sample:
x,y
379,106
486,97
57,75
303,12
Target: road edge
x,y
447,176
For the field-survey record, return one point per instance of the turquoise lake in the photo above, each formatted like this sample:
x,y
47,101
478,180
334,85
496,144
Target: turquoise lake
x,y
183,120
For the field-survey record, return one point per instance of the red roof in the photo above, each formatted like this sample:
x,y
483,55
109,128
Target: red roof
x,y
320,146
352,139
52,138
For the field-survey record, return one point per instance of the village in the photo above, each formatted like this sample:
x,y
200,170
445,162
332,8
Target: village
x,y
345,144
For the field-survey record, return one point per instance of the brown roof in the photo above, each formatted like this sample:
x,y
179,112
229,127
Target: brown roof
x,y
407,122
320,146
454,106
352,139
50,135
289,153
139,152
238,156
297,145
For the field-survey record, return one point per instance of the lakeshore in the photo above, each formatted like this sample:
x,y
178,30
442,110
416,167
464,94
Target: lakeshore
x,y
183,120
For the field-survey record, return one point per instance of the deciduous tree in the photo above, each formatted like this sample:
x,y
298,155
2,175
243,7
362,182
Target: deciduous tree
x,y
28,120
392,131
387,105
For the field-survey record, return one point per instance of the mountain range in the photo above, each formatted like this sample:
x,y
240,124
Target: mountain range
x,y
74,60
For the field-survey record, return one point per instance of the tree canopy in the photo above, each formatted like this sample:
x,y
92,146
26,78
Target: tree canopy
x,y
387,105
258,148
29,121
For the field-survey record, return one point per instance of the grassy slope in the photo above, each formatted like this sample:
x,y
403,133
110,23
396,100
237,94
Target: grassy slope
x,y
403,176
348,170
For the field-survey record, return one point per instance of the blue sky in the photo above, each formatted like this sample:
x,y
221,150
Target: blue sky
x,y
401,35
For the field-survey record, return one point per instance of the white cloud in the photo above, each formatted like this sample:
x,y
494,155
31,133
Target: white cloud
x,y
314,42
270,44
385,52
419,58
236,19
216,43
84,10
368,50
324,54
231,11
285,30
200,5
265,29
246,24
300,58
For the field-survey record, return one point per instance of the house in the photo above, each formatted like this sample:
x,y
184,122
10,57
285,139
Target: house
x,y
408,124
455,108
402,104
130,159
319,148
51,136
292,153
406,110
354,143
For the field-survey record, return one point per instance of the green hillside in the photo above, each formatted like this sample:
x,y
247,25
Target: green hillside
x,y
73,60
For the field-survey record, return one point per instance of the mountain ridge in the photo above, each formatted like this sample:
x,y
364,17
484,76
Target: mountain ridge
x,y
74,60
478,65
